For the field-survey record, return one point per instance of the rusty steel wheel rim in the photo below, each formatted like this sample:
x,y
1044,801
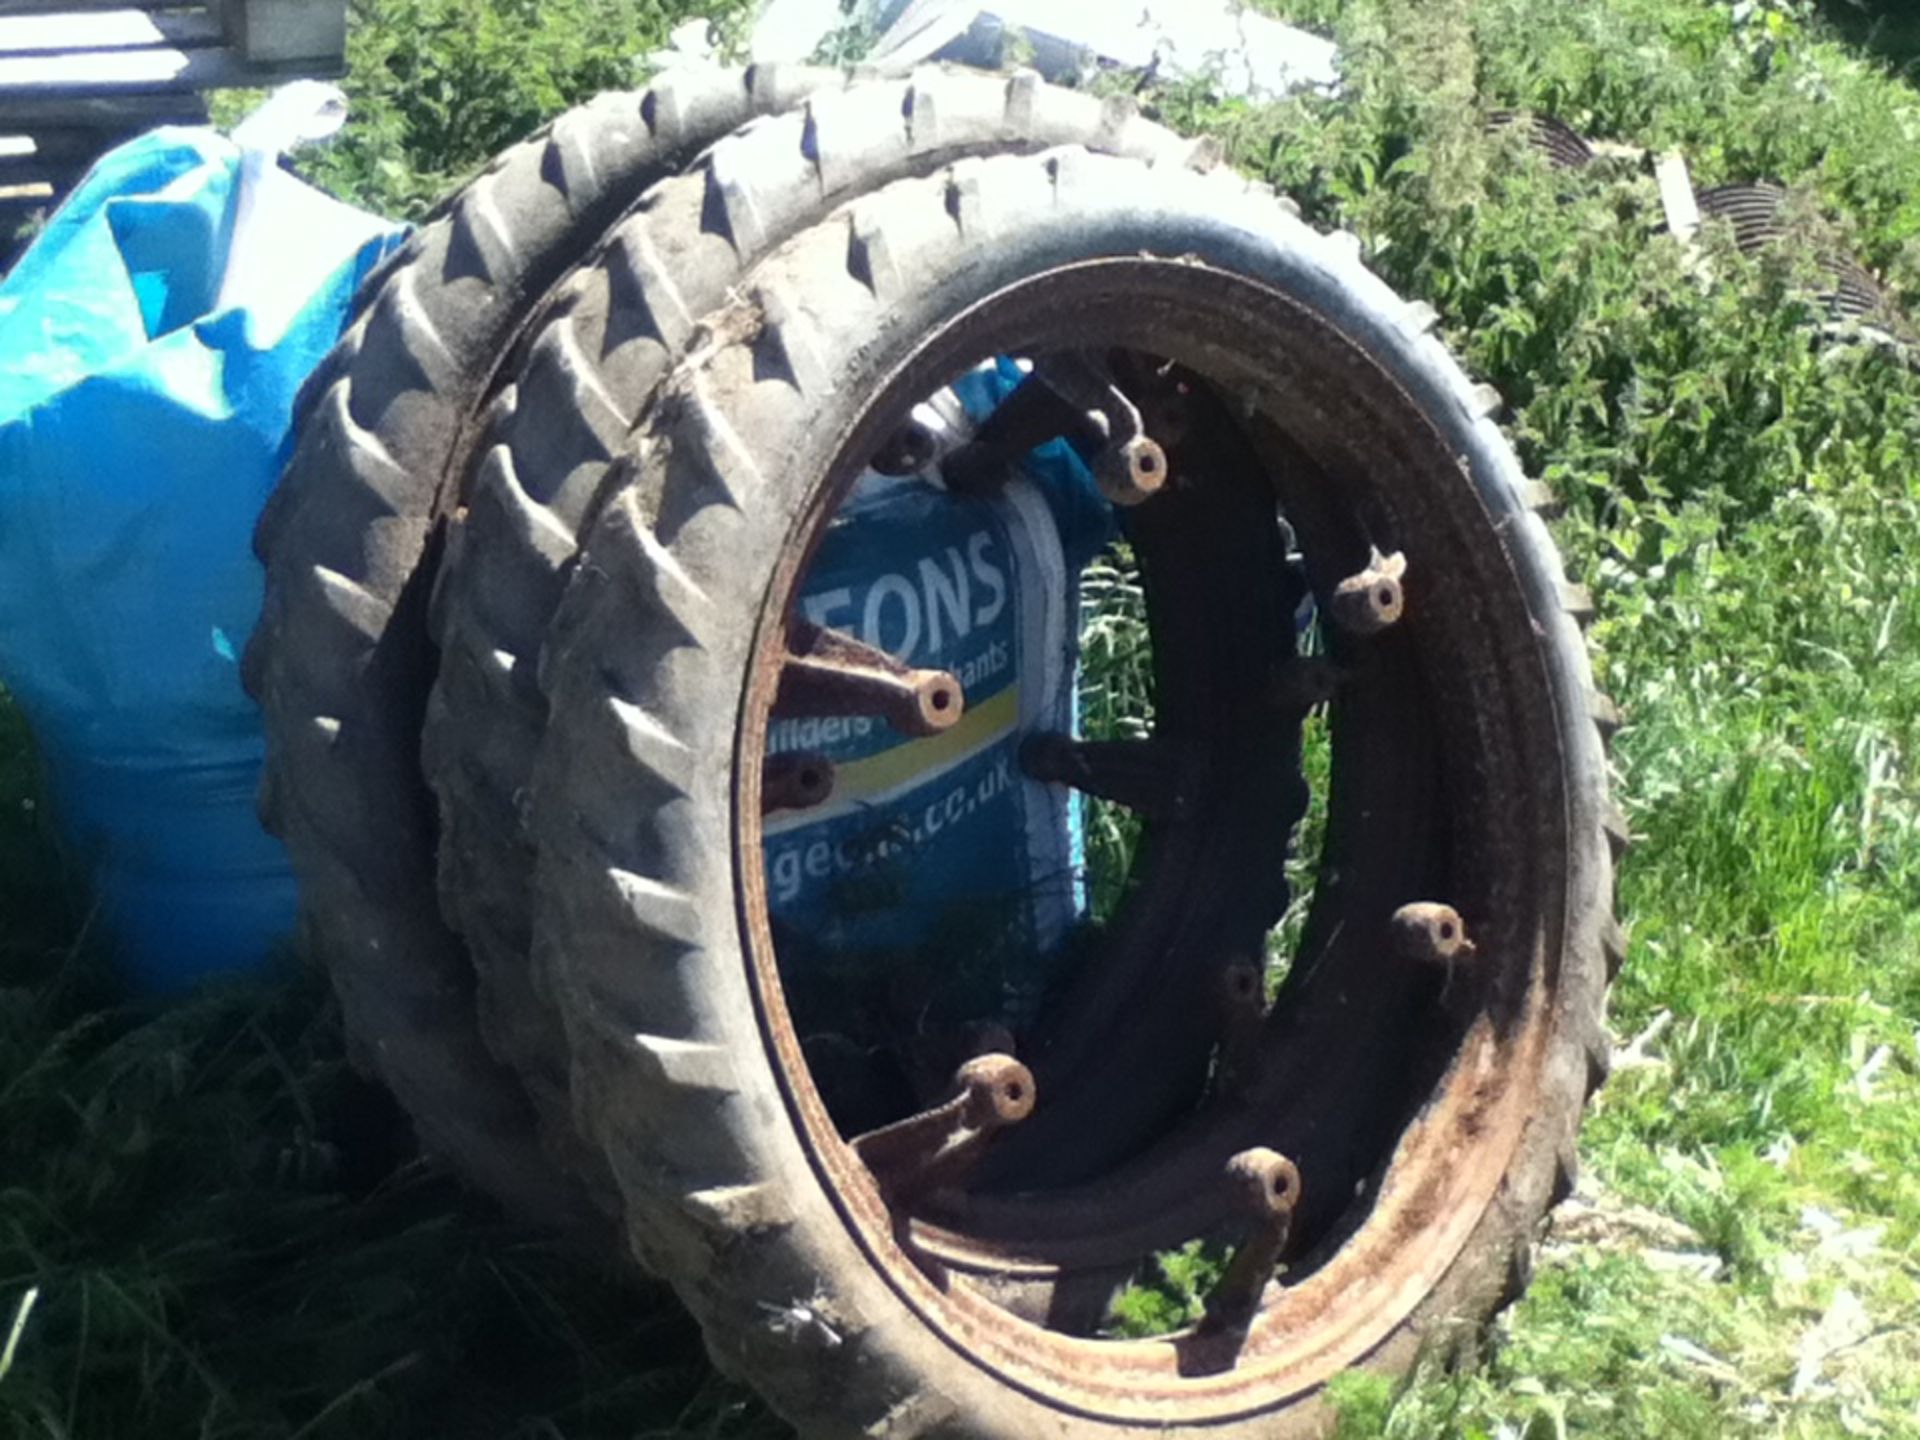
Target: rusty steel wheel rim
x,y
1352,456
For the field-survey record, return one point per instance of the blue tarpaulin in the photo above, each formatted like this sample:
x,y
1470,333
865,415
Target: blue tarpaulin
x,y
152,341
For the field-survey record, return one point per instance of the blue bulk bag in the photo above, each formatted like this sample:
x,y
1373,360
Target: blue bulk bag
x,y
152,341
939,848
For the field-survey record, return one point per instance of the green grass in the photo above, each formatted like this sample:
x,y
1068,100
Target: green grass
x,y
1116,703
210,1227
1746,504
222,1243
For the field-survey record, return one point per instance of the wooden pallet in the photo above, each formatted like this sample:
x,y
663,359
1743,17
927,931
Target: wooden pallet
x,y
77,77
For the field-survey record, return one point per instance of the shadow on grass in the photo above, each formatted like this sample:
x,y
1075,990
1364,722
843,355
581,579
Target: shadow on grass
x,y
1887,29
211,1226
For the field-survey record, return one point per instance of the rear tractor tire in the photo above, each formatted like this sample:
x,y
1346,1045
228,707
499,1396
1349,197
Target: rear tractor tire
x,y
1377,1144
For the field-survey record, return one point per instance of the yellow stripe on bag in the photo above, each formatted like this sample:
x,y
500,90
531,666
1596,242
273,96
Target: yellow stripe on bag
x,y
858,782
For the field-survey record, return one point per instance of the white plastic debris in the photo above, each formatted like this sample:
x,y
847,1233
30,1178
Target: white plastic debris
x,y
1687,1264
1698,1357
1242,52
1844,1325
302,112
1867,1074
689,45
791,30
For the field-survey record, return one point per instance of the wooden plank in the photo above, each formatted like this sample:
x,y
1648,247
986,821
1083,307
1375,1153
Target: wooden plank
x,y
29,171
24,115
149,71
124,29
1676,196
53,145
47,7
153,68
19,169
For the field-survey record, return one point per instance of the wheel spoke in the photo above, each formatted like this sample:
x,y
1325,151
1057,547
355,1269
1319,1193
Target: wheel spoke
x,y
1266,1188
938,1147
1032,414
1302,682
1068,394
828,672
1154,778
1243,1015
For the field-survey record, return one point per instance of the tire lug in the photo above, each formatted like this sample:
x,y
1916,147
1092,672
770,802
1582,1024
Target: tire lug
x,y
827,672
1368,602
1431,933
938,1148
797,780
1153,778
1265,1188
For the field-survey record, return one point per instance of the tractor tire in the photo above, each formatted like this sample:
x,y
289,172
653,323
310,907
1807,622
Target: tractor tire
x,y
1432,1116
616,327
340,662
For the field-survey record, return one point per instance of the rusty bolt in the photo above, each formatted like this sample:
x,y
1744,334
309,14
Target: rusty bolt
x,y
939,1147
1241,986
827,672
1431,932
909,450
1133,472
1367,603
1243,1013
1265,1188
998,1091
1265,1182
798,780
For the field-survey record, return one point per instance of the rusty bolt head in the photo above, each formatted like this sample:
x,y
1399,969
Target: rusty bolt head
x,y
795,781
1265,1183
999,1091
909,450
1243,986
1430,932
939,700
812,781
1134,473
1369,602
